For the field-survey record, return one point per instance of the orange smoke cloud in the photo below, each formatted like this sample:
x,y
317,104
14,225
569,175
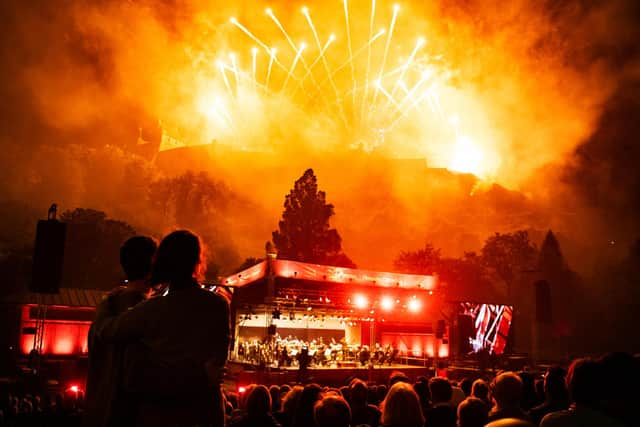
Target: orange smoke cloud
x,y
499,91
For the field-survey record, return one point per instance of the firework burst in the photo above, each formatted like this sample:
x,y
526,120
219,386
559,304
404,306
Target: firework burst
x,y
355,82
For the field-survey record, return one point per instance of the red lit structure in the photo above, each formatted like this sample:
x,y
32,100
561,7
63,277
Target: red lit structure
x,y
62,320
364,307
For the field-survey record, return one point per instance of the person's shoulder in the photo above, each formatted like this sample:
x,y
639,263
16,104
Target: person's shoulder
x,y
213,297
557,418
129,297
146,304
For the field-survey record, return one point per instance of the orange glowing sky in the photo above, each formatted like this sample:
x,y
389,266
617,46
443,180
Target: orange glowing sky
x,y
504,90
399,79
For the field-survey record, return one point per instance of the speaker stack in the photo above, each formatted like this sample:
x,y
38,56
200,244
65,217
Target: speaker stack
x,y
48,255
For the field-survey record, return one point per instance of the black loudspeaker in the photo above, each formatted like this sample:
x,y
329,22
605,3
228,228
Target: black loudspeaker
x,y
465,332
271,330
440,329
48,256
543,302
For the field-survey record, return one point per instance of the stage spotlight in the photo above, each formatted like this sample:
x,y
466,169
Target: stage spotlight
x,y
386,303
414,305
360,301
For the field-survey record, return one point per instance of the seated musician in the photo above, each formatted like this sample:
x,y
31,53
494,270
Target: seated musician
x,y
365,355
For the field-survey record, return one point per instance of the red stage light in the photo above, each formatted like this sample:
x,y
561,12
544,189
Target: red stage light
x,y
242,389
386,303
360,301
414,305
74,389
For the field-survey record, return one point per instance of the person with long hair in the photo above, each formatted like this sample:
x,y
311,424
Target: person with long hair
x,y
187,327
401,407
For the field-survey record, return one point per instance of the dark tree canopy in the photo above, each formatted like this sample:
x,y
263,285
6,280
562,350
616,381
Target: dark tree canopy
x,y
509,255
92,249
465,277
423,261
200,203
247,263
304,233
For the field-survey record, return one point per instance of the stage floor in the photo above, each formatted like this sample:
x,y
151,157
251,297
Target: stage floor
x,y
393,366
242,374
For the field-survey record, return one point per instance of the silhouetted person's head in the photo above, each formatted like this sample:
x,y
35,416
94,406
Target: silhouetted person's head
x,y
620,392
422,390
274,391
304,411
178,259
397,376
258,402
136,257
507,390
242,398
440,389
584,381
472,412
401,407
284,389
555,386
332,411
358,393
291,399
480,389
465,386
529,398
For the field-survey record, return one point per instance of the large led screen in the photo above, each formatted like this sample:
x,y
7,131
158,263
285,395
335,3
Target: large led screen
x,y
490,325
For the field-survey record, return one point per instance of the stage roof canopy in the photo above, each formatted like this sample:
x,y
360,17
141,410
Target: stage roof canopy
x,y
330,274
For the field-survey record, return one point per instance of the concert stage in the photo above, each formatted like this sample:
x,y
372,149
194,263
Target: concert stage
x,y
243,374
282,310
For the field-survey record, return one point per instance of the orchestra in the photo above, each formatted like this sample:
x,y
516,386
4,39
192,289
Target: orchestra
x,y
292,351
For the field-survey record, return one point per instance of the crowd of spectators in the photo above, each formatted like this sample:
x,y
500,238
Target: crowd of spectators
x,y
42,410
591,392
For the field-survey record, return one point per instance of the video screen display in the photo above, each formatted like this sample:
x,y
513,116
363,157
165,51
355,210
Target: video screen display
x,y
489,326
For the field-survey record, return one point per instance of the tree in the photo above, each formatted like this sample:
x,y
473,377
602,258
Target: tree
x,y
423,261
16,244
92,248
508,255
196,201
465,277
303,232
247,263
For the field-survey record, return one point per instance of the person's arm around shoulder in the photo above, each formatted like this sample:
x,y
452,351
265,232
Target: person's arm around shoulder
x,y
127,325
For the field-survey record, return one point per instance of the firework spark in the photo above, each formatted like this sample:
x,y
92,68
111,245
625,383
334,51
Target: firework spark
x,y
340,91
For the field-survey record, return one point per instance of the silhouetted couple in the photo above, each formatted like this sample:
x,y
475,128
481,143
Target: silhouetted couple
x,y
158,361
